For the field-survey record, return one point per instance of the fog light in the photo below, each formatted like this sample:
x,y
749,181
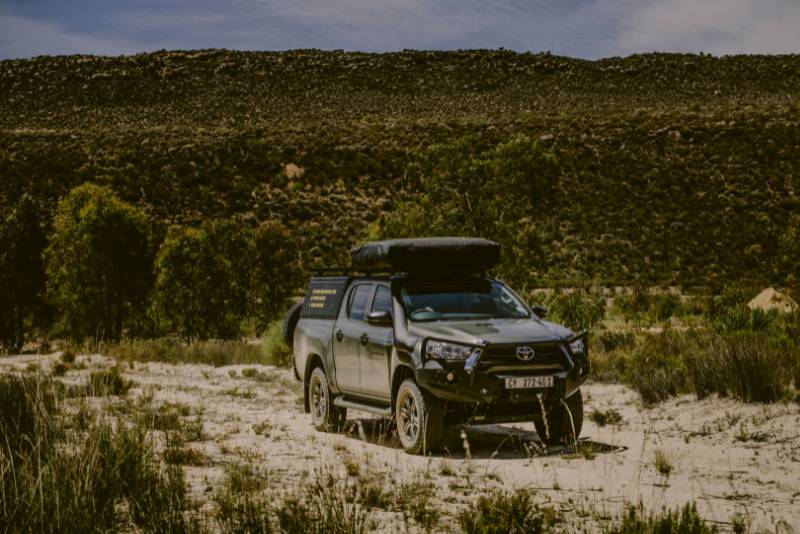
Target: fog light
x,y
450,377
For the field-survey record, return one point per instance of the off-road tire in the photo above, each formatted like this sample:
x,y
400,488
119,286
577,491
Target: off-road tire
x,y
290,323
324,414
559,428
429,416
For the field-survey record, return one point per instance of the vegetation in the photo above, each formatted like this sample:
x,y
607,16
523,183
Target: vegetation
x,y
212,352
98,264
683,521
507,512
59,474
200,291
21,272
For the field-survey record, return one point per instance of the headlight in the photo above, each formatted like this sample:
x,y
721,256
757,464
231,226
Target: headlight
x,y
577,347
448,351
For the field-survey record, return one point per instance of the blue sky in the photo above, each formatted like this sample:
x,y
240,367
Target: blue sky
x,y
579,28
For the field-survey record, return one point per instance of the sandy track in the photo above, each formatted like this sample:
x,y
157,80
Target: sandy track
x,y
728,456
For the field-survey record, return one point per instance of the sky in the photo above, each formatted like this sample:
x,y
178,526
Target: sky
x,y
588,29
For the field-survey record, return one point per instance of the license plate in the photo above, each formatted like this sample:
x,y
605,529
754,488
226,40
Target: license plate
x,y
529,382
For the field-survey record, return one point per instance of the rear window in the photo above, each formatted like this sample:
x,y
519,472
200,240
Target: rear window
x,y
324,297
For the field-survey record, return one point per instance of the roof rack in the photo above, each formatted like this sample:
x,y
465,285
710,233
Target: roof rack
x,y
347,271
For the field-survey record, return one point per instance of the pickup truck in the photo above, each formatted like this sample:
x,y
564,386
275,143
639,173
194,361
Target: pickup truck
x,y
415,330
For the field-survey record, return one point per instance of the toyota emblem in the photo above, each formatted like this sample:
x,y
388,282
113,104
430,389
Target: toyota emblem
x,y
525,354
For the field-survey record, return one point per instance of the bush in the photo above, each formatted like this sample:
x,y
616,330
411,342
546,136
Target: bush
x,y
577,309
506,512
274,346
21,272
108,382
322,507
656,369
459,191
746,365
683,521
641,305
98,264
66,482
276,272
200,291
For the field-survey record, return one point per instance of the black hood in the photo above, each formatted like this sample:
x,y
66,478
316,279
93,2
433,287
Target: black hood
x,y
493,331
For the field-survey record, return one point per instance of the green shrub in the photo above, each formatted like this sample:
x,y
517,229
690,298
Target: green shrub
x,y
507,512
459,191
277,272
683,521
274,346
60,481
98,264
608,341
108,382
746,365
241,507
577,309
656,369
640,306
21,272
323,506
606,417
200,291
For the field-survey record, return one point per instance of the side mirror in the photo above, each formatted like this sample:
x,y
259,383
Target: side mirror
x,y
540,311
380,318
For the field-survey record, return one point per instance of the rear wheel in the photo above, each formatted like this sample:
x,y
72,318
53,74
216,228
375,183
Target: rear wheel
x,y
324,414
562,422
420,419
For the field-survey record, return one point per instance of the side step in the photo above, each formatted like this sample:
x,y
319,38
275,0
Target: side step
x,y
342,402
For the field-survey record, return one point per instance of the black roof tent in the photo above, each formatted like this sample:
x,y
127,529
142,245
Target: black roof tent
x,y
427,255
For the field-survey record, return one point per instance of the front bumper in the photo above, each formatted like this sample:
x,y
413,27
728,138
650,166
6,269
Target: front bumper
x,y
484,382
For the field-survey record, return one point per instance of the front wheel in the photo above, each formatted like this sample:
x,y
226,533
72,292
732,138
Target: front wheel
x,y
419,417
562,422
325,415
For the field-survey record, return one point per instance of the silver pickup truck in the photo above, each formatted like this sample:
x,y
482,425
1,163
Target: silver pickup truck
x,y
417,331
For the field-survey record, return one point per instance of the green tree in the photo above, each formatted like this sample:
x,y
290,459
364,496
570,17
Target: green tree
x,y
21,272
98,264
498,194
277,271
201,284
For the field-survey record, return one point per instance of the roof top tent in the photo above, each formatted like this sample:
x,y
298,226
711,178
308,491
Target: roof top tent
x,y
434,255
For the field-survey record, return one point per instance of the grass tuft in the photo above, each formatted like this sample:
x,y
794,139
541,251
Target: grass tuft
x,y
507,512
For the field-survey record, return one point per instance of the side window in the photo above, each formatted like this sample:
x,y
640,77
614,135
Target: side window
x,y
358,302
382,300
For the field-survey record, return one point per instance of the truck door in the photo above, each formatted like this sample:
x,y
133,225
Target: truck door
x,y
347,337
376,352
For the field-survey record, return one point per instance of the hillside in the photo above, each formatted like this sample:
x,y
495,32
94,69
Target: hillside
x,y
675,168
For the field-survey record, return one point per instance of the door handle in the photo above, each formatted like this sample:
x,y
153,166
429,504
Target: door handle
x,y
339,335
364,338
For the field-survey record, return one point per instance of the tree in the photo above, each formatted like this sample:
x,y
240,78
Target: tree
x,y
201,281
98,264
277,272
499,194
21,272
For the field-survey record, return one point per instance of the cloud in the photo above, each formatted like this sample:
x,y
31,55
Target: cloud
x,y
714,26
581,28
26,37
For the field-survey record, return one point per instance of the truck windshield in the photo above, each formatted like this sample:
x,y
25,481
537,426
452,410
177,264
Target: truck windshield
x,y
476,299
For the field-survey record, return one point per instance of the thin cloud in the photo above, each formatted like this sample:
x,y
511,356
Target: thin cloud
x,y
581,28
714,26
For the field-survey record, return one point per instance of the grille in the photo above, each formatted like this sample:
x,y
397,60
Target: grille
x,y
547,354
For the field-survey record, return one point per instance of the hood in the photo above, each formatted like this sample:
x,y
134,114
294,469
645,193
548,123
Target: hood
x,y
494,331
